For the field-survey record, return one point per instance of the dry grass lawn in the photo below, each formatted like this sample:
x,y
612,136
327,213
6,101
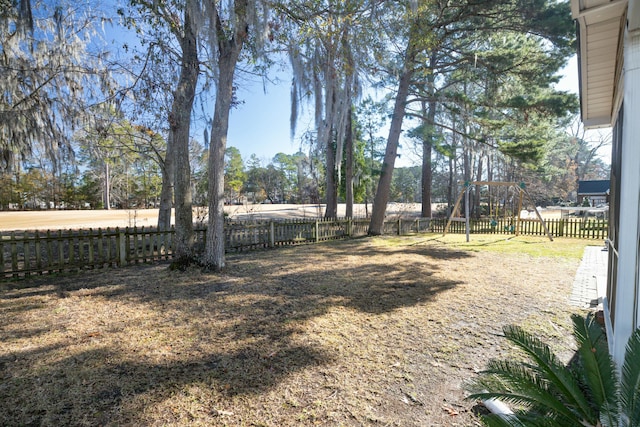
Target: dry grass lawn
x,y
364,332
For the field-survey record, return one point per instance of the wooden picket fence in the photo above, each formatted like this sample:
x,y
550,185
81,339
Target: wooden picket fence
x,y
30,253
573,227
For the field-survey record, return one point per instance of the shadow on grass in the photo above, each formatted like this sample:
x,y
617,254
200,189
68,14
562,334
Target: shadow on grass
x,y
90,387
242,328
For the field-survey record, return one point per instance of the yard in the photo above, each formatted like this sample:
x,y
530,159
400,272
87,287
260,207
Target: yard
x,y
376,331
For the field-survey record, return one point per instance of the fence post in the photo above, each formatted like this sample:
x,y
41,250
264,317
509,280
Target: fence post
x,y
1,257
14,254
317,231
122,248
272,234
399,227
38,252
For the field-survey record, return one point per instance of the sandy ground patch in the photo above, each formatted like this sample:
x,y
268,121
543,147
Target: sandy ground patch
x,y
366,332
72,219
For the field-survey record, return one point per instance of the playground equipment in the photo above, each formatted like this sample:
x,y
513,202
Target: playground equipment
x,y
520,187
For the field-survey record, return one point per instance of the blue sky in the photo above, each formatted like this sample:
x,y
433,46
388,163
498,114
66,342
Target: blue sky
x,y
261,125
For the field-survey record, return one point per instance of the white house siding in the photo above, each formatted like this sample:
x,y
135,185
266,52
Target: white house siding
x,y
617,82
626,314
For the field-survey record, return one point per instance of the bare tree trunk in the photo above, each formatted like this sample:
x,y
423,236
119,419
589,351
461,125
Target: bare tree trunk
x,y
466,162
427,151
166,192
214,255
371,186
427,177
331,190
107,186
228,53
391,152
427,141
331,210
452,174
491,189
180,123
349,165
466,165
452,169
300,179
476,200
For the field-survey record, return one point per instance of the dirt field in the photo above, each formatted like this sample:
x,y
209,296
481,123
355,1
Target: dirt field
x,y
365,332
53,220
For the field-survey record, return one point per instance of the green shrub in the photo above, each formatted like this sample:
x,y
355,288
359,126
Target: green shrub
x,y
546,392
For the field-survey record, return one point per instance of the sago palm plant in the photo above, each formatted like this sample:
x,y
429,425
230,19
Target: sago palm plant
x,y
546,392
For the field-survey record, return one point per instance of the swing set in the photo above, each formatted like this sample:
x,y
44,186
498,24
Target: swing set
x,y
522,192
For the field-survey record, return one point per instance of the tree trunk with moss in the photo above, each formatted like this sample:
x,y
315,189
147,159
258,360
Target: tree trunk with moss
x,y
179,128
229,48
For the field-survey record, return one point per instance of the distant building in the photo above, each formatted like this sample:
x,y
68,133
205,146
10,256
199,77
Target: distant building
x,y
597,192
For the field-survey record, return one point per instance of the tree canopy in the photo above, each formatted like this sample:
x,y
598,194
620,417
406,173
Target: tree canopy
x,y
470,84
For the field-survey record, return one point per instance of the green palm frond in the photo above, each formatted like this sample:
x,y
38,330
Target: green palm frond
x,y
526,419
527,386
520,384
502,421
519,421
517,383
532,419
630,380
546,393
554,371
597,367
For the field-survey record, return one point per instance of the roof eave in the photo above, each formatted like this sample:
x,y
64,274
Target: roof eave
x,y
599,24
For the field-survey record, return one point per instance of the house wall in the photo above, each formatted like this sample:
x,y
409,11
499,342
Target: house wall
x,y
609,66
609,304
625,313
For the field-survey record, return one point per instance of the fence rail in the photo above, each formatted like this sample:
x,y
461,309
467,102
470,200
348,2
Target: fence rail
x,y
29,253
572,227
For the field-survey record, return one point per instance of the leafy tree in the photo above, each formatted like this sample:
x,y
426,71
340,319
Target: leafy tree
x,y
234,174
405,187
199,158
459,34
360,171
89,191
289,167
371,117
328,48
303,180
122,157
8,191
568,158
183,21
267,182
151,95
52,70
414,38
